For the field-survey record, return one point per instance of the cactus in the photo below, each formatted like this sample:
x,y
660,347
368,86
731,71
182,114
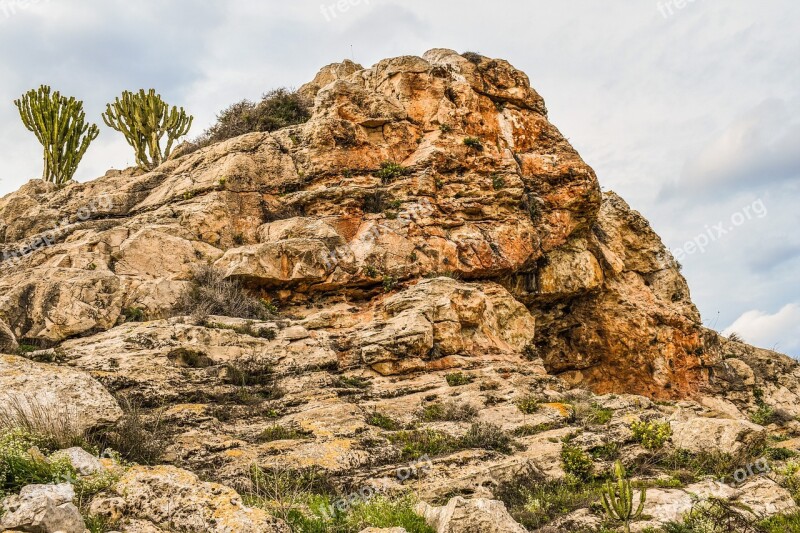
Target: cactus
x,y
144,118
618,498
60,125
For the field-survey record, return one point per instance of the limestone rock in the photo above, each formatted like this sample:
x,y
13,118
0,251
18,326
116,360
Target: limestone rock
x,y
25,386
442,317
8,342
82,461
169,495
464,516
42,509
715,434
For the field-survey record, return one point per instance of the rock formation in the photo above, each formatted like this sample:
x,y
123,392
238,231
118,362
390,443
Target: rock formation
x,y
428,221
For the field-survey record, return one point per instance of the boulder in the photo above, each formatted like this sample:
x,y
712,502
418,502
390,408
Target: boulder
x,y
466,516
82,461
169,495
702,434
29,387
43,509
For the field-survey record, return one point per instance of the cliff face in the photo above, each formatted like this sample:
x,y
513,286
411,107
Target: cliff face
x,y
427,218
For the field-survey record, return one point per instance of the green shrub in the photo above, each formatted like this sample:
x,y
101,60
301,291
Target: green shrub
x,y
590,413
458,379
276,432
418,443
445,128
133,314
576,462
277,109
389,283
764,415
690,467
535,502
528,405
138,438
382,421
472,57
651,435
22,461
528,430
390,171
474,143
352,382
782,524
449,411
249,372
498,182
487,436
714,515
780,454
381,512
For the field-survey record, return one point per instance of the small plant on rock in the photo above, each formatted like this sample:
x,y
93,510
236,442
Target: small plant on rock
x,y
458,379
390,171
651,435
450,411
528,405
382,421
576,462
617,499
474,143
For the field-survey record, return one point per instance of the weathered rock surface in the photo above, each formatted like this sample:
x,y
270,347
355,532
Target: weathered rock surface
x,y
716,435
26,386
42,509
84,463
177,499
463,516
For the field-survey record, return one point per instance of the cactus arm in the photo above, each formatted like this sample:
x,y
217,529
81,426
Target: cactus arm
x,y
642,499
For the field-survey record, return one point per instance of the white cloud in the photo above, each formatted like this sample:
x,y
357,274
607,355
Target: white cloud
x,y
780,331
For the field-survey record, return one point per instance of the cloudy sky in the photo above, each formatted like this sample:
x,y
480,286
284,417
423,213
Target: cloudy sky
x,y
692,113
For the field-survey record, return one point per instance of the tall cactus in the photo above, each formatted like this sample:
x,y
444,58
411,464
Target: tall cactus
x,y
618,499
144,118
60,125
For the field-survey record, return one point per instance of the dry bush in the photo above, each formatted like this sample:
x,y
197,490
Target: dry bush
x,y
210,293
277,109
136,437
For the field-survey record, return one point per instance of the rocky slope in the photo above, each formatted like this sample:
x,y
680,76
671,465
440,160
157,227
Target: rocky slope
x,y
437,254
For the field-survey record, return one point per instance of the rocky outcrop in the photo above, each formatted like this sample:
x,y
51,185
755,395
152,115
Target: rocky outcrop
x,y
315,211
433,260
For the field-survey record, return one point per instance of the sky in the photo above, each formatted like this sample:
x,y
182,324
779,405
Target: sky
x,y
691,113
